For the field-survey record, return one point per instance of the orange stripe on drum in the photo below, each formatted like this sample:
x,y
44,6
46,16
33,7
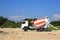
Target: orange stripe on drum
x,y
39,23
40,26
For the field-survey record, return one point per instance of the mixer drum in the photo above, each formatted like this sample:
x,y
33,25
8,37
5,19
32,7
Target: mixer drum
x,y
39,23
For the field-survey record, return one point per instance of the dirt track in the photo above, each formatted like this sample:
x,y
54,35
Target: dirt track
x,y
18,34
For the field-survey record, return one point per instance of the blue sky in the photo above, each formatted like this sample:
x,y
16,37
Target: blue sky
x,y
30,8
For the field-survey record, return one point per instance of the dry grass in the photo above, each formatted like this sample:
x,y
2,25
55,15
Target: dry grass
x,y
18,34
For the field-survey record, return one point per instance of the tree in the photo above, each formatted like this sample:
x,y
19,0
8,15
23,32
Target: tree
x,y
2,20
55,23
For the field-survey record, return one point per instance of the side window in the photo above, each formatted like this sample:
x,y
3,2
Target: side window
x,y
23,22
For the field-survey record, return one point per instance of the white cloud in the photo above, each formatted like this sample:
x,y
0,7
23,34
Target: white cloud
x,y
16,18
56,17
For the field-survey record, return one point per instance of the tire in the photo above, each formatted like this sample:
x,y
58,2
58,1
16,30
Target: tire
x,y
45,29
25,29
37,29
40,29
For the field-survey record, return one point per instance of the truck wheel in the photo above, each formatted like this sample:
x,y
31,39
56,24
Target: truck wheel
x,y
25,28
40,29
37,30
46,29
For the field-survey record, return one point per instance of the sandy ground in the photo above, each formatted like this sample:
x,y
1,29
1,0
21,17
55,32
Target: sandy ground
x,y
18,34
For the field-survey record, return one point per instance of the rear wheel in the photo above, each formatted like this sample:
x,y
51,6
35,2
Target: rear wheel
x,y
39,29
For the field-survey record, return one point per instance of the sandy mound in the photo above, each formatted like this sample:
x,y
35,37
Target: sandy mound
x,y
18,34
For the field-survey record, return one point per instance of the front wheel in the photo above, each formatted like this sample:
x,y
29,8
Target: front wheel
x,y
25,28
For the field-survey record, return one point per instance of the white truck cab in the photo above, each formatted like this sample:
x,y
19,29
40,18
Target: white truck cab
x,y
24,24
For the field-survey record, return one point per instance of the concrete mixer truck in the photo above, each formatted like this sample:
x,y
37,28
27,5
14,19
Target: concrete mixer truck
x,y
40,24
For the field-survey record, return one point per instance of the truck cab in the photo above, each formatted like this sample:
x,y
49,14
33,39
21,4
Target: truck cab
x,y
24,23
25,26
